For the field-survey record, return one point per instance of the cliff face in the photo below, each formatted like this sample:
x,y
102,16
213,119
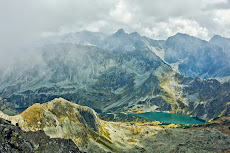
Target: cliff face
x,y
62,119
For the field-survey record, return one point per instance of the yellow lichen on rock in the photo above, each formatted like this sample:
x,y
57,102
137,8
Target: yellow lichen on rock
x,y
104,131
131,140
34,116
60,118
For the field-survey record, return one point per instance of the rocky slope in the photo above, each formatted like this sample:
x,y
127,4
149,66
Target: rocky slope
x,y
206,99
62,119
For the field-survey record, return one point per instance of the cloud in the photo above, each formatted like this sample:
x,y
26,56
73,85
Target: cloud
x,y
120,13
175,25
49,17
27,20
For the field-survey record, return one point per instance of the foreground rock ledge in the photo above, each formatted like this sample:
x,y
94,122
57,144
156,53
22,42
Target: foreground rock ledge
x,y
60,118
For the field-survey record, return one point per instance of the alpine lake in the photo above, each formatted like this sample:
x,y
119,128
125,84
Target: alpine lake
x,y
170,118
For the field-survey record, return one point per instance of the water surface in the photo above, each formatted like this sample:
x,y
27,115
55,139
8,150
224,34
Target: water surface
x,y
170,118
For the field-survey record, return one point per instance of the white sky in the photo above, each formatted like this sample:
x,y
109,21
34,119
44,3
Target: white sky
x,y
22,21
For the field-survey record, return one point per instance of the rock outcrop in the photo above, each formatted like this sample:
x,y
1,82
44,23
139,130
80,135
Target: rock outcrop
x,y
60,118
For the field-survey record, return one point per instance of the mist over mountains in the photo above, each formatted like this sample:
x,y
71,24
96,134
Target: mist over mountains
x,y
186,54
125,72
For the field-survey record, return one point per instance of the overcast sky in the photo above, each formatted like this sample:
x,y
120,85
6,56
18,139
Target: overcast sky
x,y
22,21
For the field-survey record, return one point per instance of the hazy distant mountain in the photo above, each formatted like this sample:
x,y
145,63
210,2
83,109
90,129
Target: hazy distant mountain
x,y
121,41
221,42
188,55
197,58
83,38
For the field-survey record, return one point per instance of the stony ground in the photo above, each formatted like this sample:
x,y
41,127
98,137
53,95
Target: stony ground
x,y
153,138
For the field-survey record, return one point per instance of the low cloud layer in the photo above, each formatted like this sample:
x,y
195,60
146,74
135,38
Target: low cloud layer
x,y
27,20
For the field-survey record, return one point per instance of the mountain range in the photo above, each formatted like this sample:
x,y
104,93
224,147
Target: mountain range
x,y
125,72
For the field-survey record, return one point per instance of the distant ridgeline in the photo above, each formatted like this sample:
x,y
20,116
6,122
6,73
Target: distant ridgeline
x,y
126,73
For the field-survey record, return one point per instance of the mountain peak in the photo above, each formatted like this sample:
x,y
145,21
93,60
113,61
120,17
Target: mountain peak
x,y
185,37
58,111
179,37
182,34
220,41
216,37
120,32
135,34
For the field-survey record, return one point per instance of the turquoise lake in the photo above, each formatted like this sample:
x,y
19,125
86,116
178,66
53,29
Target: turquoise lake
x,y
170,118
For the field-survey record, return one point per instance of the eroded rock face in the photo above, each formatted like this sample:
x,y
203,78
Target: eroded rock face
x,y
90,118
13,139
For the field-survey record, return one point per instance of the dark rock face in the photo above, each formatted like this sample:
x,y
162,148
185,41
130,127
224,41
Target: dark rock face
x,y
213,97
47,144
13,139
90,118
